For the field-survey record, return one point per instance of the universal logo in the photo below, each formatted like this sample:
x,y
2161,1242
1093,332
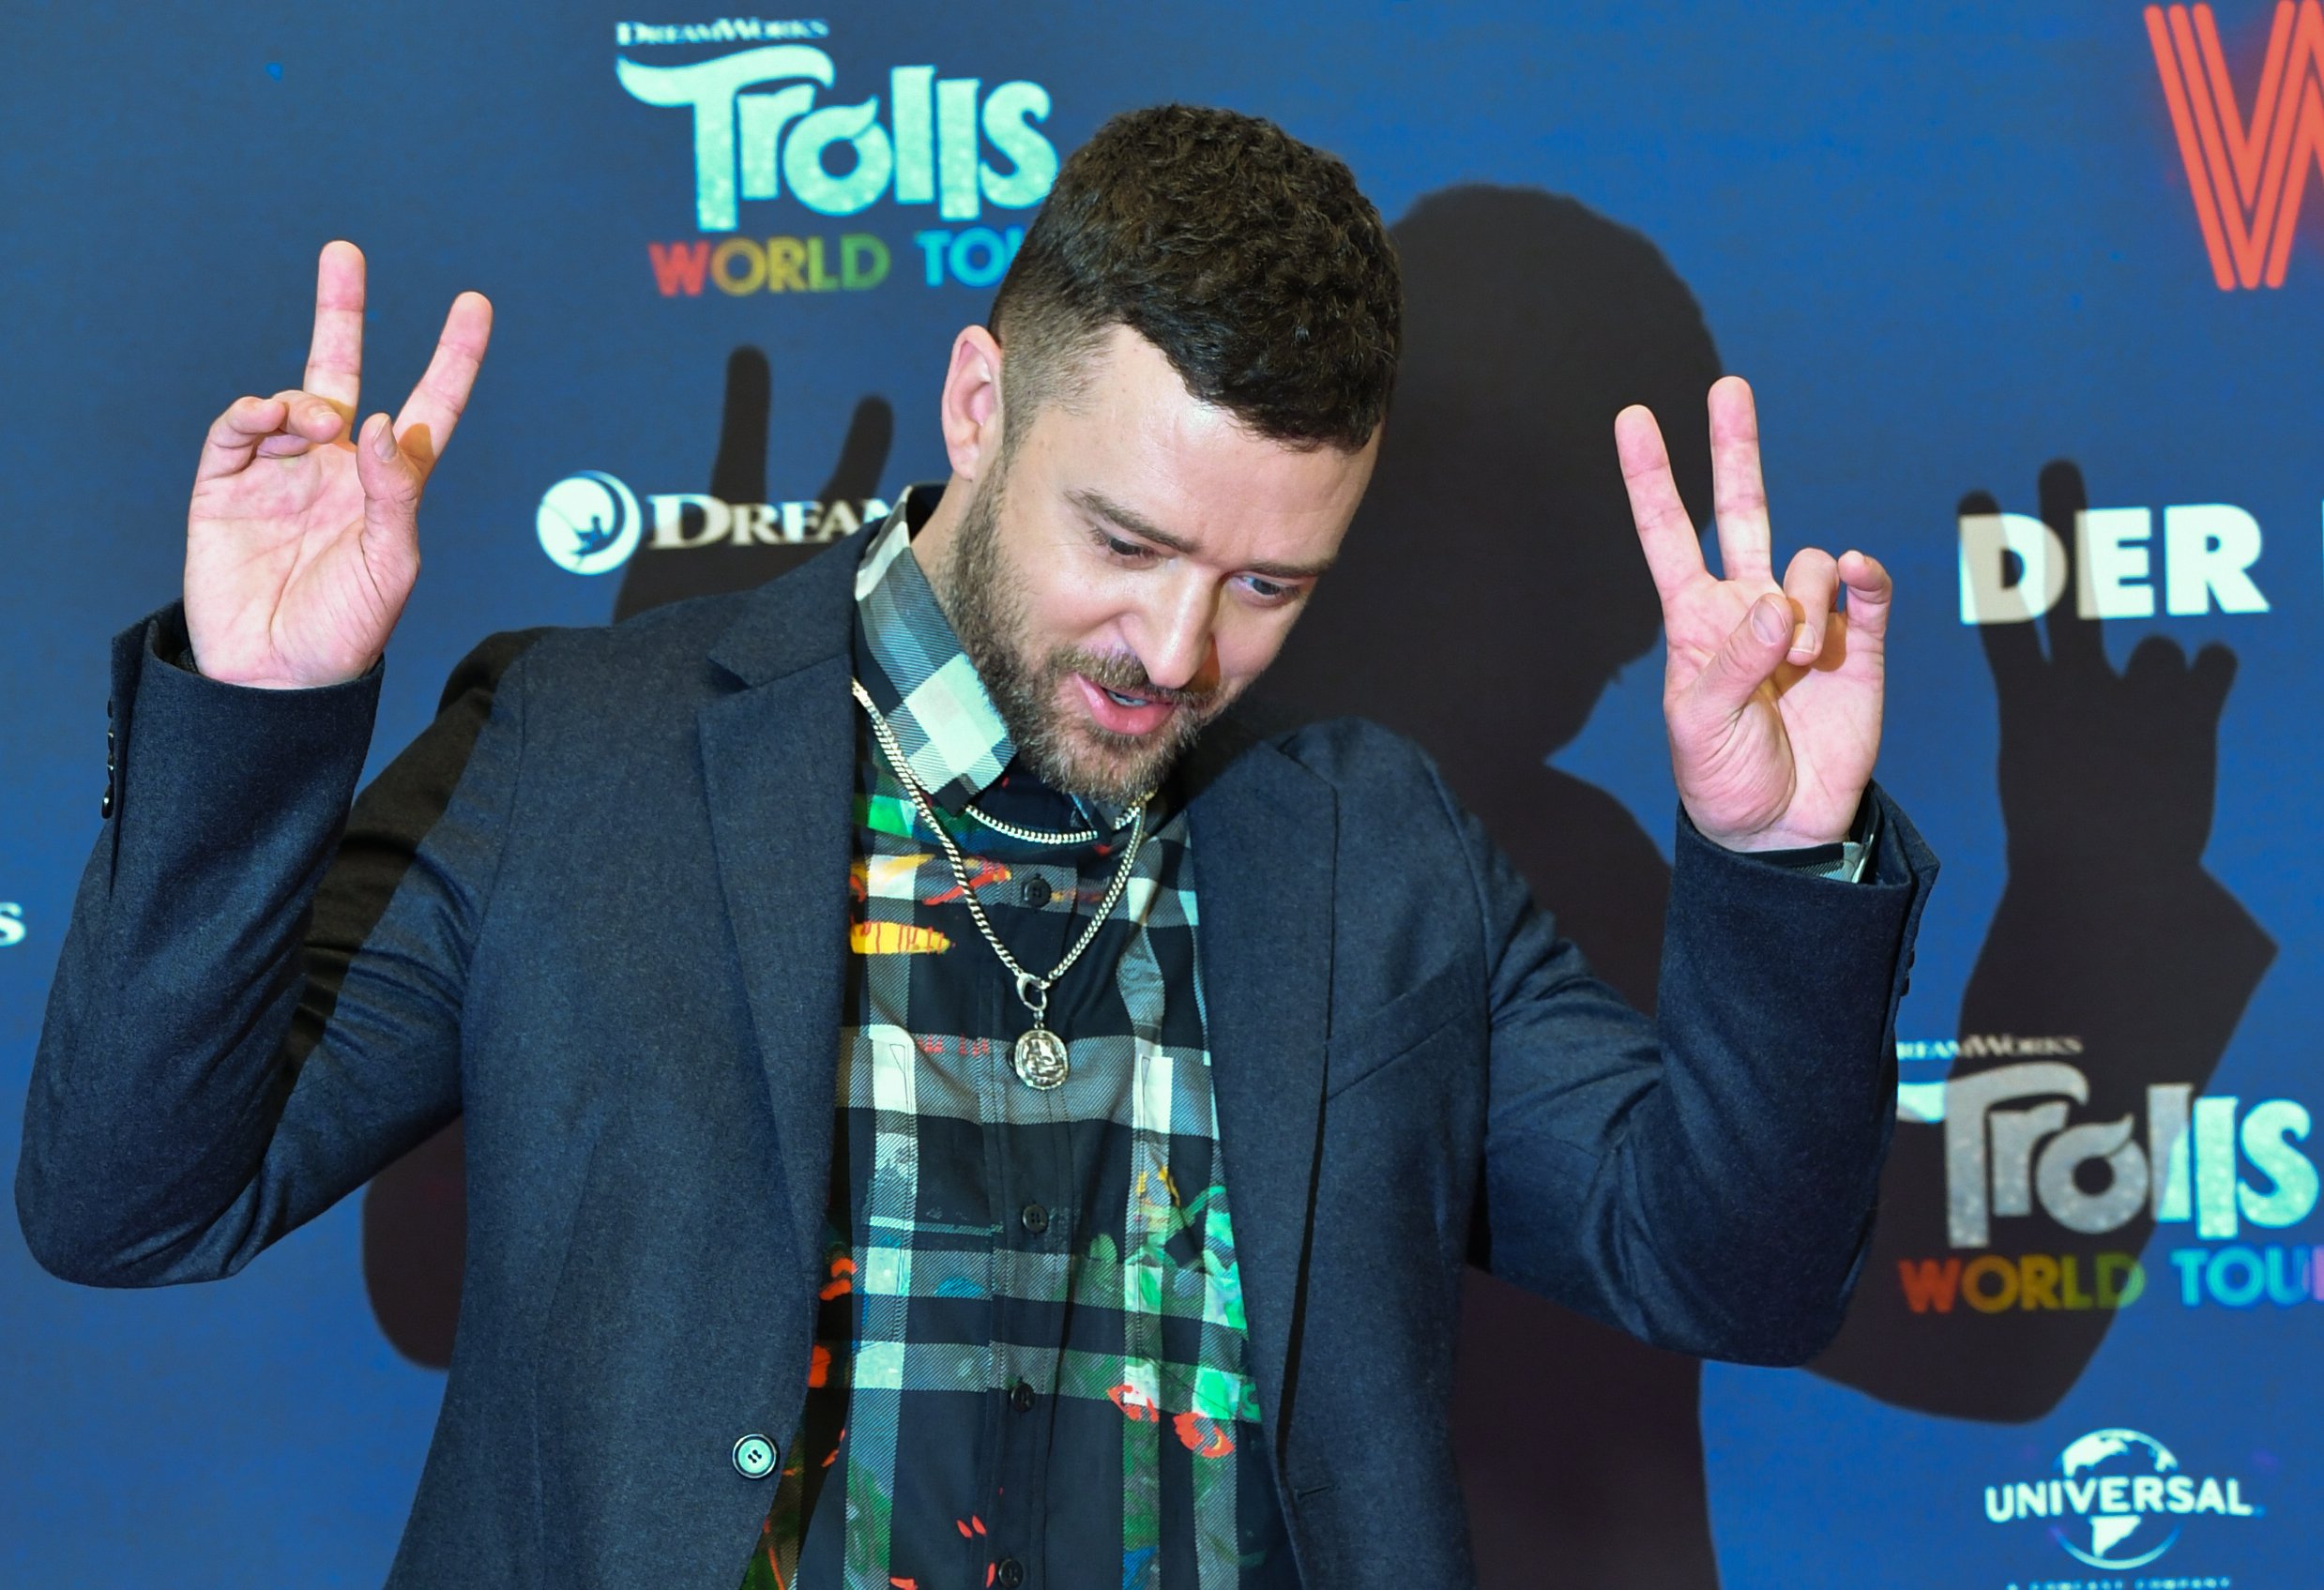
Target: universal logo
x,y
2119,1499
591,522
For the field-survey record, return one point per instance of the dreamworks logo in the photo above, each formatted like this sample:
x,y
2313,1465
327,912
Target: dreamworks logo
x,y
591,522
11,924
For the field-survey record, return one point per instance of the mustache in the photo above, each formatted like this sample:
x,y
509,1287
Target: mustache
x,y
1118,671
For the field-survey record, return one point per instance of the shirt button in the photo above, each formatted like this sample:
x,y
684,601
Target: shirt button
x,y
1034,1218
1011,1574
754,1457
1021,1398
1037,892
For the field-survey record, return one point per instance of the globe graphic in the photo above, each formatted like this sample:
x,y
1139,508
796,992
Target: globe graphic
x,y
2123,1539
588,522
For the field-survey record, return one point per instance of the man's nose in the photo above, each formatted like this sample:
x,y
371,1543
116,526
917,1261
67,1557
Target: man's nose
x,y
1178,648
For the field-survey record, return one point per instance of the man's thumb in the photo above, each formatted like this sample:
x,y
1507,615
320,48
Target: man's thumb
x,y
1753,652
391,477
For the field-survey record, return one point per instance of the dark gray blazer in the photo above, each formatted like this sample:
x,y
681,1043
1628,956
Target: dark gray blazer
x,y
601,908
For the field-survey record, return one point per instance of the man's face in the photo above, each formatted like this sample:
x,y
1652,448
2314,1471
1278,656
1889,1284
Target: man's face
x,y
1134,564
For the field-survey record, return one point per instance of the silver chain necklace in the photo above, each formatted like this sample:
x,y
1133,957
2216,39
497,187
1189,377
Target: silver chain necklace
x,y
1039,1054
1039,835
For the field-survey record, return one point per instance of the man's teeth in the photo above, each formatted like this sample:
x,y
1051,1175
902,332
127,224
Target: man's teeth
x,y
1125,701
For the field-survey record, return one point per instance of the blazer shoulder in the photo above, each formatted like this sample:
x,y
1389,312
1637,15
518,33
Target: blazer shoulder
x,y
601,661
1377,776
1353,754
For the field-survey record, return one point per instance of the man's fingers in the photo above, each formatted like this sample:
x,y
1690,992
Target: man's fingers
x,y
429,414
1738,498
1748,656
1871,593
1812,583
282,426
234,435
1674,556
335,355
310,416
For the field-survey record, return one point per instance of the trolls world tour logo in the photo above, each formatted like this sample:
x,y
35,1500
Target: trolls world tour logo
x,y
2013,1152
2118,1499
759,134
2248,151
591,522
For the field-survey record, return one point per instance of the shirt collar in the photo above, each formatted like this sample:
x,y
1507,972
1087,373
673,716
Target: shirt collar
x,y
951,734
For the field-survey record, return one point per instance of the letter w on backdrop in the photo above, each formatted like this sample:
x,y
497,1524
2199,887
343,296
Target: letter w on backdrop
x,y
2247,171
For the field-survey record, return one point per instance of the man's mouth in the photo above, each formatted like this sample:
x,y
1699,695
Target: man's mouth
x,y
1123,712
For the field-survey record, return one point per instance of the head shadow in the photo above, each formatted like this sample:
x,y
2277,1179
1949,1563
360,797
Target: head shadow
x,y
1492,584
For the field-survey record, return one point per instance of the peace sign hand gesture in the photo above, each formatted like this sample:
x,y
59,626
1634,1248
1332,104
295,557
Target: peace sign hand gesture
x,y
301,543
1772,695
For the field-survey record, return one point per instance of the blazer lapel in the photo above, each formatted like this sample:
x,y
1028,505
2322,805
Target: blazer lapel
x,y
778,768
1265,834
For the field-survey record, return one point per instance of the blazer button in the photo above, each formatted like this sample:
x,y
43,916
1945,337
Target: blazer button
x,y
754,1457
104,806
1009,1573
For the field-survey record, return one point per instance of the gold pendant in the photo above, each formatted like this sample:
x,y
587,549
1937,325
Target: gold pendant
x,y
1039,1058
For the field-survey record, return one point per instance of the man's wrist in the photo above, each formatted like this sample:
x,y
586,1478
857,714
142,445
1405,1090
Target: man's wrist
x,y
1844,859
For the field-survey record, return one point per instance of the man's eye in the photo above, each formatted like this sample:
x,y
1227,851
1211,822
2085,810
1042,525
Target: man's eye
x,y
1270,591
1119,548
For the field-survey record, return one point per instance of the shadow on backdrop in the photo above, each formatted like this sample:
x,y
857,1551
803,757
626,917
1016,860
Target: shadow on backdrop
x,y
2109,933
1490,590
415,1212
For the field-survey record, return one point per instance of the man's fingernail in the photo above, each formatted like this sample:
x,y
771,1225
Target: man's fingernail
x,y
1803,642
383,444
1767,622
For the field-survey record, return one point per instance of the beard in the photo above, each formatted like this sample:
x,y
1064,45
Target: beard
x,y
1060,743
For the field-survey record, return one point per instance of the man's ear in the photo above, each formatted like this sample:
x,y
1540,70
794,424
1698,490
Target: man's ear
x,y
971,406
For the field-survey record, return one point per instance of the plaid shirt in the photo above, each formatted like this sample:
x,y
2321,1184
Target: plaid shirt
x,y
1032,1360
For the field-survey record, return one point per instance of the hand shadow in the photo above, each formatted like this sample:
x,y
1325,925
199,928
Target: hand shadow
x,y
1491,589
416,1210
2110,932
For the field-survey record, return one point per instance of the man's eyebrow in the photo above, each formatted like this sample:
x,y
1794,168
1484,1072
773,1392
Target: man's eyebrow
x,y
1100,505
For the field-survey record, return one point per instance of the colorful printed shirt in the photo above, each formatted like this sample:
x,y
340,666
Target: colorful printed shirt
x,y
1031,1364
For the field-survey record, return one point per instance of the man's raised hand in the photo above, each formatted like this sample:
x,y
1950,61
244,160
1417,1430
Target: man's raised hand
x,y
1772,694
302,540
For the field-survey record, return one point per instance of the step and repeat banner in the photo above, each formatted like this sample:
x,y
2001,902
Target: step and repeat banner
x,y
2033,300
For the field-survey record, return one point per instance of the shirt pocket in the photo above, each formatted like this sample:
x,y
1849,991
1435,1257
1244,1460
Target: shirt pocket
x,y
1382,1035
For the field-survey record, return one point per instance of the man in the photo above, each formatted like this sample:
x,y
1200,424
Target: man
x,y
1007,1122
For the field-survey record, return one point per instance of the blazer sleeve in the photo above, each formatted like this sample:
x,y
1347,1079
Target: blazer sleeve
x,y
1705,1180
258,1003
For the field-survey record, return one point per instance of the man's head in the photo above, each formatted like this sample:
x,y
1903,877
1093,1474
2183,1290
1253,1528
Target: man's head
x,y
1160,441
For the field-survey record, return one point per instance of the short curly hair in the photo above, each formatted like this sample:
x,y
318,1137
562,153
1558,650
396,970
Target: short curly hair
x,y
1249,259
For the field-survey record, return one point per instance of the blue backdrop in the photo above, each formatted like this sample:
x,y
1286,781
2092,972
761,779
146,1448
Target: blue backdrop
x,y
1987,267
